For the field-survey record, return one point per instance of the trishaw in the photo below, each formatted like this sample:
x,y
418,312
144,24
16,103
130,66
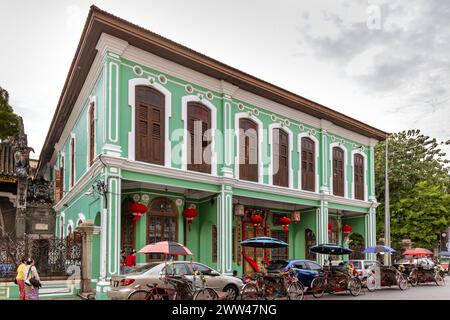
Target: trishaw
x,y
270,286
444,260
424,270
334,279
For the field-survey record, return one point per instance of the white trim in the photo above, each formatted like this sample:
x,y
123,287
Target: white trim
x,y
132,83
92,100
341,146
69,224
184,102
316,162
273,126
62,225
74,162
353,173
81,217
116,131
237,117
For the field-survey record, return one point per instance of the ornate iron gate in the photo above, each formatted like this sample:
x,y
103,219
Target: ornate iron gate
x,y
53,257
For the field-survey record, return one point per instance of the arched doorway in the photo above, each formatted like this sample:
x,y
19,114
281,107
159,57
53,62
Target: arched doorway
x,y
162,223
128,234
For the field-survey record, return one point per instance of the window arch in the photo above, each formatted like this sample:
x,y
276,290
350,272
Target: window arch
x,y
198,145
248,150
338,169
149,120
308,164
358,176
280,157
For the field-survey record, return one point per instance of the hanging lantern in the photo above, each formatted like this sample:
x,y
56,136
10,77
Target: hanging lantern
x,y
295,216
256,219
189,214
330,227
285,221
137,210
239,210
346,230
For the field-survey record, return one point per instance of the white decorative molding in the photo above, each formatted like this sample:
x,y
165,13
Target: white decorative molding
x,y
228,88
341,146
365,173
184,103
316,162
108,43
273,126
132,84
92,101
259,123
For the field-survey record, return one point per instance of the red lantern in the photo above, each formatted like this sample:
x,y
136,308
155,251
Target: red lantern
x,y
330,227
346,230
189,214
285,221
256,219
137,210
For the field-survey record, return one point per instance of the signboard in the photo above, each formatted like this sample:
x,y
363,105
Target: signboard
x,y
8,179
41,227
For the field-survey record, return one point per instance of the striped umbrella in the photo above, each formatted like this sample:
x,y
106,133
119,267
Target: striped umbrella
x,y
166,247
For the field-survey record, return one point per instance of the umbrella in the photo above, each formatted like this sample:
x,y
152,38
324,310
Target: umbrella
x,y
331,248
166,247
378,249
418,252
444,254
264,242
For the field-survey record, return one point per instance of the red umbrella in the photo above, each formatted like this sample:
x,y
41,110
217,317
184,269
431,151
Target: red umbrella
x,y
418,252
166,247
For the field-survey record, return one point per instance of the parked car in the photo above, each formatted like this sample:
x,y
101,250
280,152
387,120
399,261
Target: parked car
x,y
306,270
121,286
363,267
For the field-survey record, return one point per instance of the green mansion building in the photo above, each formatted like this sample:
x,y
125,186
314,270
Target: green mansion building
x,y
142,119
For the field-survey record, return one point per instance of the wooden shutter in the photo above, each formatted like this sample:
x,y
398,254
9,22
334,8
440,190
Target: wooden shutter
x,y
72,162
198,114
338,171
149,120
91,133
58,187
248,148
308,165
61,190
359,176
281,156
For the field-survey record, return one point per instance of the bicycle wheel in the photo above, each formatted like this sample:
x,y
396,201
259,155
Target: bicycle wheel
x,y
249,292
206,294
140,295
439,279
414,278
354,286
402,282
371,283
318,287
295,291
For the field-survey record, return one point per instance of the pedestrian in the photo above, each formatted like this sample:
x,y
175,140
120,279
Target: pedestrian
x,y
32,281
123,258
20,280
130,261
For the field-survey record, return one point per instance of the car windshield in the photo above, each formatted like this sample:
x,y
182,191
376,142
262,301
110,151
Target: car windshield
x,y
277,264
147,267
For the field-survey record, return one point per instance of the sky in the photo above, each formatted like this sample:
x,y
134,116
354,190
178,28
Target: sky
x,y
385,63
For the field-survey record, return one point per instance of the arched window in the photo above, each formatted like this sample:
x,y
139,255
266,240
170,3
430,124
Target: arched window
x,y
149,125
308,164
280,158
358,175
338,171
91,123
248,150
72,162
199,122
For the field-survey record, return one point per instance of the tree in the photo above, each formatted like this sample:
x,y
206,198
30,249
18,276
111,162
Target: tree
x,y
9,121
418,173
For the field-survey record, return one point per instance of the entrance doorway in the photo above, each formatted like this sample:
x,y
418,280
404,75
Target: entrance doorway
x,y
256,254
162,223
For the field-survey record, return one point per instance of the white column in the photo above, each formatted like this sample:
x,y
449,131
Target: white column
x,y
225,230
322,229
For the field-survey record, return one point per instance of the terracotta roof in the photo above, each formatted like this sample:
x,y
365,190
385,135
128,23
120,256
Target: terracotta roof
x,y
99,21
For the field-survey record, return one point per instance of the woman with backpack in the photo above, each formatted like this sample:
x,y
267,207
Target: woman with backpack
x,y
32,281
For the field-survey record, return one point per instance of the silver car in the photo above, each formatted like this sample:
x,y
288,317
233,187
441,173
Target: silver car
x,y
121,286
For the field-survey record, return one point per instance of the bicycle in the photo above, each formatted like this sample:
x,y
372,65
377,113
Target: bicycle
x,y
337,282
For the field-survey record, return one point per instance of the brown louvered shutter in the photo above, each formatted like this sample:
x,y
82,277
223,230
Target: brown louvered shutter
x,y
200,160
248,145
57,189
149,125
281,156
308,165
72,162
61,191
338,171
359,176
91,133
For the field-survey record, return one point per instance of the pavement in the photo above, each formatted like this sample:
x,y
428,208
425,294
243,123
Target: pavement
x,y
421,292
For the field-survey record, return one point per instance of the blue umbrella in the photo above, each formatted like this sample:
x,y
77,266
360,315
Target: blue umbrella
x,y
378,249
444,254
331,248
264,242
